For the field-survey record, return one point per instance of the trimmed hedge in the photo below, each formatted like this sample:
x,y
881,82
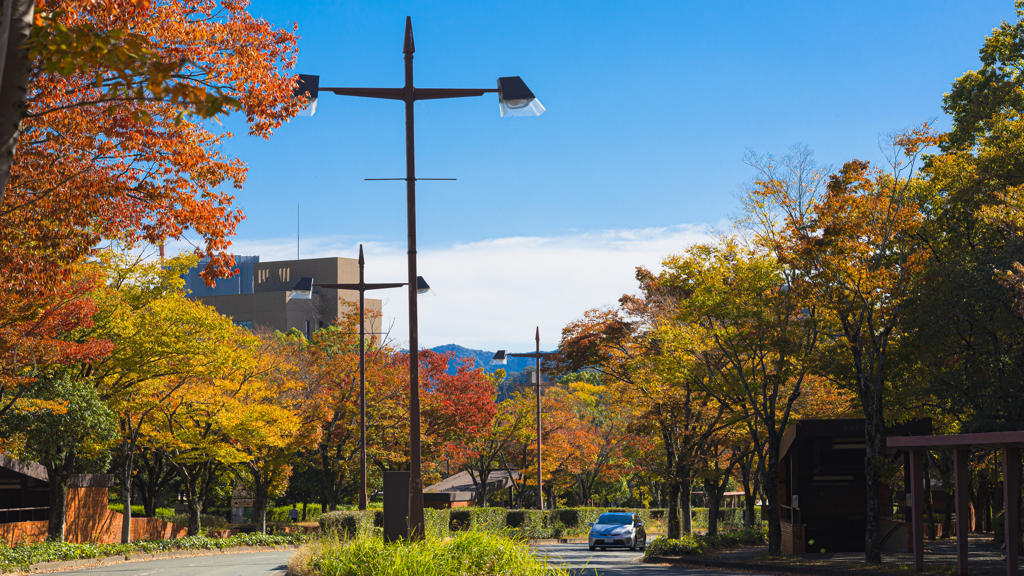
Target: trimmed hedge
x,y
349,524
727,517
560,523
281,513
437,522
481,519
527,523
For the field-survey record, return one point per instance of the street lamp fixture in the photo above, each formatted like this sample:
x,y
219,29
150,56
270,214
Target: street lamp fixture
x,y
501,357
514,99
303,290
362,286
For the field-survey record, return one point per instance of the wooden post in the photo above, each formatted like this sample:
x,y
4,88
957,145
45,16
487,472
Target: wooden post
x,y
917,487
963,512
1011,491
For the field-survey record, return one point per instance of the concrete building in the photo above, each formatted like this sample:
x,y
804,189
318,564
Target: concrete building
x,y
258,295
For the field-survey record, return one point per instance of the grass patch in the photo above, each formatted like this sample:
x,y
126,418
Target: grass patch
x,y
20,558
699,545
465,553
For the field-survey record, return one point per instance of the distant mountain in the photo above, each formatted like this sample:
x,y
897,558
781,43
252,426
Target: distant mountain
x,y
482,359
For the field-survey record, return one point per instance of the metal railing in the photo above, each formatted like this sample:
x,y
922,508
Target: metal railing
x,y
8,515
789,514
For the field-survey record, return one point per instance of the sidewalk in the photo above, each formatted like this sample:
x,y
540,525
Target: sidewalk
x,y
984,557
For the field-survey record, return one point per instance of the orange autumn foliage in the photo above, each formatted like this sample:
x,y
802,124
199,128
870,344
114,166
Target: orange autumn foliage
x,y
133,168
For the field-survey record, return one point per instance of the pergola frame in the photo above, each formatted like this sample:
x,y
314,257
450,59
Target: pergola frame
x,y
961,445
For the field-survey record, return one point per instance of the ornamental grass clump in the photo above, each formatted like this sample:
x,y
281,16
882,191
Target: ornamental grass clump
x,y
464,554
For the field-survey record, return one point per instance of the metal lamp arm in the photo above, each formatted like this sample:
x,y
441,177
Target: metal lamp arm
x,y
361,287
418,93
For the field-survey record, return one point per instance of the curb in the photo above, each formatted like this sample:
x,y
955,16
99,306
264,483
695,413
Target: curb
x,y
542,541
145,556
576,540
750,566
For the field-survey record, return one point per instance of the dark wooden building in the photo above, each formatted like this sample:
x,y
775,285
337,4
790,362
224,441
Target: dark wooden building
x,y
823,486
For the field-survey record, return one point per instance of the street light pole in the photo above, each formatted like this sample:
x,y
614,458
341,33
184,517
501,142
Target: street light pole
x,y
501,358
540,469
514,99
417,527
362,287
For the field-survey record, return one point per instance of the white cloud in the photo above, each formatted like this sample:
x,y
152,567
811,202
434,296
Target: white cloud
x,y
494,293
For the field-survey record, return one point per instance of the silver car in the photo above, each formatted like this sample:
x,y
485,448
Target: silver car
x,y
618,529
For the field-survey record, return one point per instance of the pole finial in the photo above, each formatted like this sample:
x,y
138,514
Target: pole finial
x,y
410,46
361,261
538,335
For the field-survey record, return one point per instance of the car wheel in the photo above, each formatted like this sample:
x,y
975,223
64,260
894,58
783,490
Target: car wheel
x,y
592,548
643,544
632,544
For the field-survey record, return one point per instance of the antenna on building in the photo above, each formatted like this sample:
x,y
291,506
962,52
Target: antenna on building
x,y
297,244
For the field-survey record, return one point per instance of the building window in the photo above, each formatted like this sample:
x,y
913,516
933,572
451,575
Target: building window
x,y
247,324
284,274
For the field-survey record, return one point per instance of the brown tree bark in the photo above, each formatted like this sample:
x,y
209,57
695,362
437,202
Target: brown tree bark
x,y
13,80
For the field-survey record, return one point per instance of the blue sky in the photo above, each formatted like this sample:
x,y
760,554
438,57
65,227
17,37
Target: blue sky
x,y
650,106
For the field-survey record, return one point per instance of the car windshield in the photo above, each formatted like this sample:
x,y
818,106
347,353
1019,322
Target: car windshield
x,y
608,518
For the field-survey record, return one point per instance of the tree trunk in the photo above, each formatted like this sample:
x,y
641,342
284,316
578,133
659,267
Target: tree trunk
x,y
711,494
929,507
304,504
686,511
194,505
982,523
674,528
157,478
128,459
261,488
58,505
873,429
481,491
947,513
771,494
191,480
13,82
749,495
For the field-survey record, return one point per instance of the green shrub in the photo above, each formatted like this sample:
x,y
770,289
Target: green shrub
x,y
348,525
20,558
999,528
692,545
688,545
470,552
280,513
206,521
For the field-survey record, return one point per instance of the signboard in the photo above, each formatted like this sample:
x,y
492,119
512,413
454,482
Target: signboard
x,y
241,502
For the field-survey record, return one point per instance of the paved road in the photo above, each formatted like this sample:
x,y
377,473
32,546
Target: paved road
x,y
244,564
613,562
